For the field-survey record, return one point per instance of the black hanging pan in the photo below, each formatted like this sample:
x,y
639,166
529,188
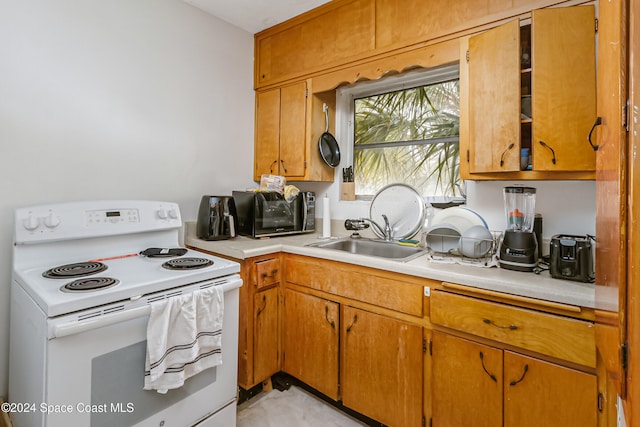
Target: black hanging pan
x,y
327,144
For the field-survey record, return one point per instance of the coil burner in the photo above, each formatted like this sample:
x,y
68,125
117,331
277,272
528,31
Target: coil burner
x,y
187,263
89,284
78,269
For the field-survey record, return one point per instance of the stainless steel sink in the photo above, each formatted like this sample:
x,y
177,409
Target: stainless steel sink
x,y
377,248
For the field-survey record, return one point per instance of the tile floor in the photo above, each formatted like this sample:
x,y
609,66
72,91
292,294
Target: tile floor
x,y
294,407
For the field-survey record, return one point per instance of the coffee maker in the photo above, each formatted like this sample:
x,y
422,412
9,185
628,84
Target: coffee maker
x,y
519,246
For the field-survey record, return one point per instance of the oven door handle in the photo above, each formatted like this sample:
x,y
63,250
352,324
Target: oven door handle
x,y
75,327
71,328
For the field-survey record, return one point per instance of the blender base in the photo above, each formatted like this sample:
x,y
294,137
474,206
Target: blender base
x,y
518,251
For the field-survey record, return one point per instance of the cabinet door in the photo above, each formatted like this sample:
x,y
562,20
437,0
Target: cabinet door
x,y
293,107
539,393
265,339
494,100
564,83
310,343
267,138
382,367
466,383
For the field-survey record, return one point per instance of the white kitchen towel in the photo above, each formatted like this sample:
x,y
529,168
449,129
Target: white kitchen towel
x,y
184,337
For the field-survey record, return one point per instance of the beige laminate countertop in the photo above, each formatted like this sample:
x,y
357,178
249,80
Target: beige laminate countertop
x,y
540,286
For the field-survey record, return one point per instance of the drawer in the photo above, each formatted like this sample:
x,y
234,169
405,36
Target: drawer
x,y
267,272
392,291
556,336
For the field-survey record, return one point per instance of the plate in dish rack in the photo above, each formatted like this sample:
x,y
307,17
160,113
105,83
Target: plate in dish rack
x,y
404,207
461,218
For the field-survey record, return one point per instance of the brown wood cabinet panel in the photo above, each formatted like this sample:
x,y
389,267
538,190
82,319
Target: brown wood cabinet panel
x,y
293,104
381,370
266,335
267,273
562,337
280,139
310,341
267,138
428,20
564,88
368,285
494,88
614,202
538,393
336,33
466,383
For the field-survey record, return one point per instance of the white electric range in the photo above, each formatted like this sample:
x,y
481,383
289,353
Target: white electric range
x,y
84,276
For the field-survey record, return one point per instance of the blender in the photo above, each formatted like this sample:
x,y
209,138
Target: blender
x,y
519,247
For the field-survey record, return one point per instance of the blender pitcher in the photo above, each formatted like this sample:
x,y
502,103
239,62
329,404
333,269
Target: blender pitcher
x,y
519,207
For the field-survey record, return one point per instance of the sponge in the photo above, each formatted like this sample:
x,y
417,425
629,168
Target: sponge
x,y
408,242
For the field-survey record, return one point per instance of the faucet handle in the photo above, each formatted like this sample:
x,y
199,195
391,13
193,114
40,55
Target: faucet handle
x,y
355,224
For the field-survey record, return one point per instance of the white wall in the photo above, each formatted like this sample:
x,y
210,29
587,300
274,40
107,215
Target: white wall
x,y
118,99
567,207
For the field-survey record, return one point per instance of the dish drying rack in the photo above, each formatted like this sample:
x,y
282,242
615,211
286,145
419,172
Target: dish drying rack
x,y
445,249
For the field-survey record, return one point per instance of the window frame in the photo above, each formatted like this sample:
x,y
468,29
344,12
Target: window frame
x,y
345,96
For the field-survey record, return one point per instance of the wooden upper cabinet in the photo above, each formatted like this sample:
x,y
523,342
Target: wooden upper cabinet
x,y
544,103
267,139
280,140
564,88
329,35
494,88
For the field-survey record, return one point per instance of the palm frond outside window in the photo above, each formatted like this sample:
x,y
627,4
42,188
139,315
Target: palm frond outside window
x,y
409,136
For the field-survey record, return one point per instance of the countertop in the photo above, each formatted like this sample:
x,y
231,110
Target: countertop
x,y
539,286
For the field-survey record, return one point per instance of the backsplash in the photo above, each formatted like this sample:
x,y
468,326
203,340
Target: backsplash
x,y
567,207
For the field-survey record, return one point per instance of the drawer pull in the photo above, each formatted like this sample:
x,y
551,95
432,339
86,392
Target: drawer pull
x,y
273,274
493,377
264,305
526,369
355,319
326,316
490,322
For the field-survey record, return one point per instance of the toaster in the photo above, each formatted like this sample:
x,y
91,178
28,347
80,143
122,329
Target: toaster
x,y
571,258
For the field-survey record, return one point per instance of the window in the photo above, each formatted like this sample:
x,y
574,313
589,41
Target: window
x,y
405,129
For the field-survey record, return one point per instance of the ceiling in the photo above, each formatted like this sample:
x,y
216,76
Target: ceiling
x,y
255,15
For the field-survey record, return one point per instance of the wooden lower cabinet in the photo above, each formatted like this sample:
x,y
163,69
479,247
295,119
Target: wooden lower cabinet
x,y
477,385
310,341
370,362
381,367
266,333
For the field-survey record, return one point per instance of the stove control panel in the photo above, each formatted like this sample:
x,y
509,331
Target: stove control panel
x,y
65,221
107,216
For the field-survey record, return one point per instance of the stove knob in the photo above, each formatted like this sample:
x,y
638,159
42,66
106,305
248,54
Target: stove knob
x,y
52,221
31,223
173,214
162,213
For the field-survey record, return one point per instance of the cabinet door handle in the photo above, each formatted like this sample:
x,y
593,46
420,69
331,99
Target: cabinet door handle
x,y
524,373
492,323
283,167
326,316
598,122
271,167
553,153
493,377
504,153
355,319
264,305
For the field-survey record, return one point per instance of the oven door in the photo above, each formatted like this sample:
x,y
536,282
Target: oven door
x,y
95,373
